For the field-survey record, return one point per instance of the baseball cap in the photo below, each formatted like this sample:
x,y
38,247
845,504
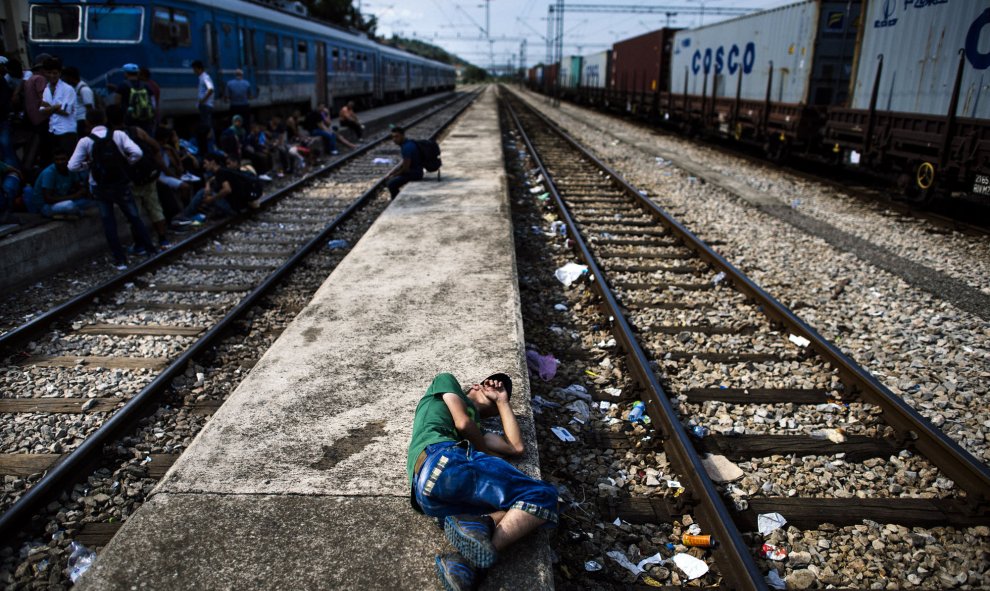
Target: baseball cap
x,y
131,68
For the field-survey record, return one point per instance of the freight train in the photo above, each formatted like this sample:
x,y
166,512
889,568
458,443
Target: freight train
x,y
896,87
289,57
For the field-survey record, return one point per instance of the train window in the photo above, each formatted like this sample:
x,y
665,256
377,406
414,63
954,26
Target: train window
x,y
303,51
55,23
252,53
271,52
114,23
170,27
242,36
287,53
336,59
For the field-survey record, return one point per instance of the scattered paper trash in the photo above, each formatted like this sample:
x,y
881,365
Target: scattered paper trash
x,y
382,161
768,522
337,244
604,405
774,580
580,408
773,552
80,560
719,278
692,567
563,434
592,566
799,340
536,189
560,308
624,562
570,273
614,391
617,522
673,484
694,529
558,227
543,365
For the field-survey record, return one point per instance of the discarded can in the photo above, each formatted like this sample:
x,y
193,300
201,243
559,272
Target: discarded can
x,y
699,431
705,541
636,414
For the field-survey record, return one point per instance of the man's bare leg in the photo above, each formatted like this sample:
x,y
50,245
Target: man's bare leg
x,y
512,526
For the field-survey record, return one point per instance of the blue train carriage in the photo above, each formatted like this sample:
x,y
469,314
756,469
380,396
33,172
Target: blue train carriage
x,y
290,58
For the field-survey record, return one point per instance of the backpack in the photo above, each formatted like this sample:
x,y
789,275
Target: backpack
x,y
429,151
145,170
108,166
139,106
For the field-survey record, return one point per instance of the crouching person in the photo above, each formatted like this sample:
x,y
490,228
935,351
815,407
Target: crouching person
x,y
58,191
456,474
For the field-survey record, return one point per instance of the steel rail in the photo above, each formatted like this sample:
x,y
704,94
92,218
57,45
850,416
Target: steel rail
x,y
22,333
91,449
736,564
911,427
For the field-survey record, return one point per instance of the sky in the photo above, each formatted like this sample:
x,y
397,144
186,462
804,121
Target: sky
x,y
459,26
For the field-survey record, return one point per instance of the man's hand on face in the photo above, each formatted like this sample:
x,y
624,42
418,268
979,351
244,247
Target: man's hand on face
x,y
495,391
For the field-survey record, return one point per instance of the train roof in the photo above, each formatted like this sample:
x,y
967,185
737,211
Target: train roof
x,y
270,13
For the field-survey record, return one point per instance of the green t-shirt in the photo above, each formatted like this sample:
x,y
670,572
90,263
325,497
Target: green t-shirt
x,y
433,422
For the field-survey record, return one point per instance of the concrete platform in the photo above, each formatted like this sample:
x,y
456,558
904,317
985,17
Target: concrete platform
x,y
36,252
298,481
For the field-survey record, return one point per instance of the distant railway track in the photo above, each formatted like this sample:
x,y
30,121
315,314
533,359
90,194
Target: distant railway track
x,y
220,275
676,306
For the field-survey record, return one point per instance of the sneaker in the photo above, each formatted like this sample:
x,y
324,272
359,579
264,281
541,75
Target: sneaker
x,y
136,250
199,218
180,222
455,572
334,152
120,266
264,177
472,536
164,244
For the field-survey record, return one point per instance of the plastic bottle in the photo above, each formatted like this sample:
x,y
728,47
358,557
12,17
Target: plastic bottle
x,y
699,431
636,414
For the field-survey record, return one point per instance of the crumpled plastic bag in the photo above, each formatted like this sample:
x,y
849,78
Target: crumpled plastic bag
x,y
80,560
576,391
624,562
570,273
543,365
579,408
768,522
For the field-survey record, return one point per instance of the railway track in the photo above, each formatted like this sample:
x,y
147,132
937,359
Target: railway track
x,y
678,310
140,334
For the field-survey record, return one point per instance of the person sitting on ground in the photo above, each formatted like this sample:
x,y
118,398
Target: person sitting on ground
x,y
318,124
58,191
172,176
225,192
411,168
11,180
456,474
256,150
349,119
233,138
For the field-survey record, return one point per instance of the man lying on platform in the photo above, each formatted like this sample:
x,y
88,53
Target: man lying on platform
x,y
455,472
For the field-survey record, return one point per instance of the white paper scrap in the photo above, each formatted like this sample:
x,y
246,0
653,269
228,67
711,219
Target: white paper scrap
x,y
537,189
563,434
382,161
694,529
767,522
673,484
617,521
691,566
614,391
624,562
569,273
799,340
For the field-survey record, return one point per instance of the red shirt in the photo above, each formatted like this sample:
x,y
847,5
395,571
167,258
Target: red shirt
x,y
34,88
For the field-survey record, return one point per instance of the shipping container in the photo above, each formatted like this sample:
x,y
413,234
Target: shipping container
x,y
920,44
803,50
640,64
535,76
595,70
570,71
550,79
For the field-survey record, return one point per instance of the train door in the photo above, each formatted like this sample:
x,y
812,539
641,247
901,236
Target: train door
x,y
322,88
246,55
228,56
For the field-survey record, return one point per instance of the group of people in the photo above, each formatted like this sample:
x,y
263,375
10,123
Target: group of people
x,y
81,150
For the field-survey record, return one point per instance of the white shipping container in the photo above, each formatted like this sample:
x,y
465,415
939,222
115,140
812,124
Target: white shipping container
x,y
570,71
784,36
920,41
595,70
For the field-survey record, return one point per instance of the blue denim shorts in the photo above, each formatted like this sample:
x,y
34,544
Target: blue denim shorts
x,y
455,478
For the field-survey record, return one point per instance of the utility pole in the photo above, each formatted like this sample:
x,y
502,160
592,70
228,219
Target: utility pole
x,y
488,32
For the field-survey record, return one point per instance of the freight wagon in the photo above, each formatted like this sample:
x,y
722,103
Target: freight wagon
x,y
767,77
920,103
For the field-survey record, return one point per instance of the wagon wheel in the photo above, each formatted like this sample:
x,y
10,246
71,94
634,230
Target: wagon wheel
x,y
924,176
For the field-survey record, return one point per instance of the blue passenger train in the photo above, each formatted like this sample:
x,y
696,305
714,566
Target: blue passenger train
x,y
291,58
